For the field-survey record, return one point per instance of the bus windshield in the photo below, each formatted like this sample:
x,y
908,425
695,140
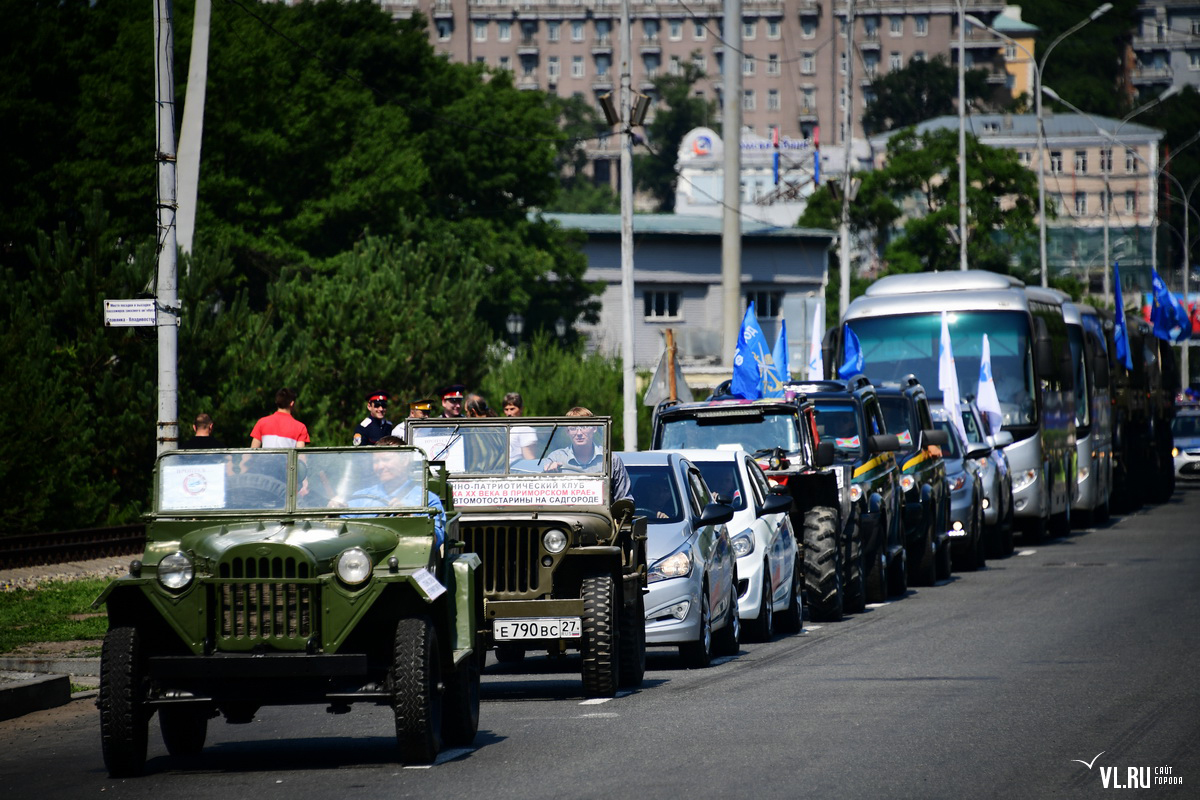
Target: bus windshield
x,y
895,346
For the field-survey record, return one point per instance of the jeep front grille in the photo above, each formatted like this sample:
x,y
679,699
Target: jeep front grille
x,y
510,557
258,600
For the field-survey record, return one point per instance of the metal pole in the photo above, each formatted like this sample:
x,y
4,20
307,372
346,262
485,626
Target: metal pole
x,y
962,140
847,147
167,301
1041,140
192,131
629,420
731,211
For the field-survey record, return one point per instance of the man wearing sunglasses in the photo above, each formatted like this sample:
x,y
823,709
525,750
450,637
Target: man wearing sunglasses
x,y
376,425
585,454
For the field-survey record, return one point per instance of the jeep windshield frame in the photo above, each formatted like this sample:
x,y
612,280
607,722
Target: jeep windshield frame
x,y
758,429
318,482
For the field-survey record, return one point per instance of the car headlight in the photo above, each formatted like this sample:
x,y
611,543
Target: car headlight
x,y
957,482
743,544
554,540
175,571
855,492
1174,452
907,482
354,566
676,565
1023,480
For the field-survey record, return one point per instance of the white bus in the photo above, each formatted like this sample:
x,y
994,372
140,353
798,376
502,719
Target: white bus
x,y
898,325
1093,412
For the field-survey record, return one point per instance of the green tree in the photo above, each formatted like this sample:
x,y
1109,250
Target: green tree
x,y
579,193
677,111
920,91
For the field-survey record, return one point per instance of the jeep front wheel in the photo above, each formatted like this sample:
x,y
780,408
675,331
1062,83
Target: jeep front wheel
x,y
599,637
417,690
821,573
124,716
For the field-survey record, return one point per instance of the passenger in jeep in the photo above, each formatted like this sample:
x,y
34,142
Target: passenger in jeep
x,y
584,455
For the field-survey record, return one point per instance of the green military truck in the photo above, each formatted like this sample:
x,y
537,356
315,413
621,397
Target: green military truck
x,y
279,577
563,566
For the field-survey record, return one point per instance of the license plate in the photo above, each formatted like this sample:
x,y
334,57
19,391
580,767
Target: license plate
x,y
537,628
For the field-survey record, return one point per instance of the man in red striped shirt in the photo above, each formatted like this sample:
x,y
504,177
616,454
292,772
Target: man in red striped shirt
x,y
281,429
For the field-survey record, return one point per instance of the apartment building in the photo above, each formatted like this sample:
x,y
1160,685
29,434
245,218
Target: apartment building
x,y
1165,48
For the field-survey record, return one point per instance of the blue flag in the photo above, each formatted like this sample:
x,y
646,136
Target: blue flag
x,y
1168,315
754,372
1120,329
780,356
852,364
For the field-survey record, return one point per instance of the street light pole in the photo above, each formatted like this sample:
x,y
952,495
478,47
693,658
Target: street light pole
x,y
629,375
962,139
847,147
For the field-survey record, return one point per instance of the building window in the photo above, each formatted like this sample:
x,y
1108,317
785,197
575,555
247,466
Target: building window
x,y
650,28
604,31
894,61
773,31
529,66
577,30
749,29
504,31
1010,52
699,30
659,304
1081,162
807,63
871,28
1024,158
1131,164
918,55
481,31
748,100
767,304
576,66
842,103
505,62
674,67
808,101
772,99
772,63
552,67
1080,204
808,28
842,62
1056,162
675,29
896,25
1131,202
1194,59
603,62
1106,160
700,63
652,62
871,63
1195,26
445,27
920,25
748,66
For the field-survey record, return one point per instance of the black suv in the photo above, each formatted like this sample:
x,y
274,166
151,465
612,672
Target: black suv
x,y
848,414
781,434
922,479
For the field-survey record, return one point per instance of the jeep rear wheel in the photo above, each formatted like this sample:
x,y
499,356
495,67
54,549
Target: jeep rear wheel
x,y
599,643
633,643
417,690
877,579
184,729
822,576
856,580
124,717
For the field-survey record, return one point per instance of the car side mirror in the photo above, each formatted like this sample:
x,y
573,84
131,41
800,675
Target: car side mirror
x,y
934,437
1002,439
715,514
776,504
825,454
978,450
884,443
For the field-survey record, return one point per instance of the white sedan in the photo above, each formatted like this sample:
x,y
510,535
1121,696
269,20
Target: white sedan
x,y
770,578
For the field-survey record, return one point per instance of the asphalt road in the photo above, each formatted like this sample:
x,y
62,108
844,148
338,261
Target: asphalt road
x,y
989,685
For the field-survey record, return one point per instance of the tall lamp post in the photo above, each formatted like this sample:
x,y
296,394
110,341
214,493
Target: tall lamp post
x,y
1038,68
962,139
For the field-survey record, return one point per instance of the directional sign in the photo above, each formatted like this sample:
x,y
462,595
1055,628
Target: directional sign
x,y
129,313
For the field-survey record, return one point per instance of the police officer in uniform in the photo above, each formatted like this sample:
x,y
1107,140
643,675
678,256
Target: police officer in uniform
x,y
375,426
420,409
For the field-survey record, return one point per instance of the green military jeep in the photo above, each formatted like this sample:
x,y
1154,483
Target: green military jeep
x,y
278,577
563,566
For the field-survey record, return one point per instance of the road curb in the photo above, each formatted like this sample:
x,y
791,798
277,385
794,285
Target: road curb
x,y
58,666
24,697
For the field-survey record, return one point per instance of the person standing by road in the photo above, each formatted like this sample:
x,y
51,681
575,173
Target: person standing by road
x,y
522,439
280,429
376,425
203,439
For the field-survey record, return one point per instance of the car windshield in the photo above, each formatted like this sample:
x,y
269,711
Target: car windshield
x,y
655,494
837,422
894,346
375,478
897,418
724,479
501,449
1186,426
749,429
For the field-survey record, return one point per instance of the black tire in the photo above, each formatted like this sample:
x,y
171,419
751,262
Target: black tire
x,y
942,557
698,654
599,645
1033,531
855,579
897,575
877,579
460,712
728,640
184,729
633,644
791,619
924,571
124,717
417,692
509,653
822,575
761,628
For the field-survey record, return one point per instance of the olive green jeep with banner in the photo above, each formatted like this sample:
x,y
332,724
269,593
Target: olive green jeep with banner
x,y
563,566
280,577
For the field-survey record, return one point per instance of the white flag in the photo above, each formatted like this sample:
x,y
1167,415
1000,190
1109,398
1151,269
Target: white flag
x,y
816,370
986,398
948,379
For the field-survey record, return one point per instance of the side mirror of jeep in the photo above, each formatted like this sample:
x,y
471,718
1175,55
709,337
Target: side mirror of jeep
x,y
884,443
824,454
934,436
776,504
715,514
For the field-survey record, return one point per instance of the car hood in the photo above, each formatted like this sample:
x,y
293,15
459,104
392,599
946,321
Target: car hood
x,y
665,538
318,543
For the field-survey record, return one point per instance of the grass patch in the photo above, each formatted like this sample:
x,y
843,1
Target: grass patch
x,y
59,611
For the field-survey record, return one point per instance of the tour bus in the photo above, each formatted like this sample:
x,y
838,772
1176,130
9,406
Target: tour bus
x,y
898,327
1093,411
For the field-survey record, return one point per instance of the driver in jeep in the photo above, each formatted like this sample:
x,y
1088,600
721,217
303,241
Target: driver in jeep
x,y
397,487
584,455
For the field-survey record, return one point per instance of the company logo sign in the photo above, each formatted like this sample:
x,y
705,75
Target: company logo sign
x,y
1132,777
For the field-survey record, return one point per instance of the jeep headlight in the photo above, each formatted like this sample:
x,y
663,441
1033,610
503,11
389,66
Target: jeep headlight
x,y
175,571
676,565
907,482
554,540
354,566
743,544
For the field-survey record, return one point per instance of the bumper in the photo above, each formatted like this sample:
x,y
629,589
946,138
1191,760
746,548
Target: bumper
x,y
673,611
751,575
1187,465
